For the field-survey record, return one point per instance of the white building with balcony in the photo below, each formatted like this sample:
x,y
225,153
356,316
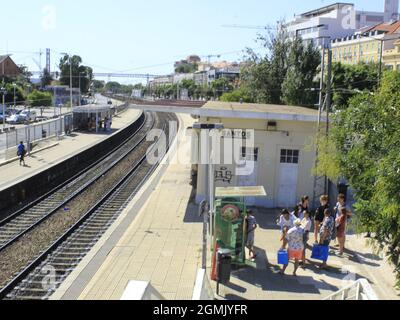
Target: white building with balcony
x,y
337,21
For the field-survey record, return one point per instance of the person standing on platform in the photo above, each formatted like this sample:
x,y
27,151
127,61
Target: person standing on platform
x,y
251,227
306,224
337,211
21,153
285,222
326,232
296,247
319,216
341,222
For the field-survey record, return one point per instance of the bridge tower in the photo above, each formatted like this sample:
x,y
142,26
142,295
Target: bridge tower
x,y
48,60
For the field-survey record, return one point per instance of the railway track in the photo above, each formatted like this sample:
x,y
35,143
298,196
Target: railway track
x,y
46,272
21,222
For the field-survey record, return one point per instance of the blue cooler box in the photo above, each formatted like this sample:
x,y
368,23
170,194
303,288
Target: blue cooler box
x,y
320,253
283,257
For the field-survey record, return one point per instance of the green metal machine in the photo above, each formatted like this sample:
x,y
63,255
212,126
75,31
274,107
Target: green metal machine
x,y
230,214
230,220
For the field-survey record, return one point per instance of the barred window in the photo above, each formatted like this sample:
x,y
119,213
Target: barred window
x,y
290,156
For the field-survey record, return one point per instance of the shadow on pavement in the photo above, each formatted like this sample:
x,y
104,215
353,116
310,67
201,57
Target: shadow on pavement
x,y
192,209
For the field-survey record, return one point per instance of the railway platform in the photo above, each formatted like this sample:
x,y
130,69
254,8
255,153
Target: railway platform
x,y
157,240
12,173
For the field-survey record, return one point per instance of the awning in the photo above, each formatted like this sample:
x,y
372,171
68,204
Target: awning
x,y
92,108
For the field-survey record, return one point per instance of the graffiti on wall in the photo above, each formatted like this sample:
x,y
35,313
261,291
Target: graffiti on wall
x,y
224,175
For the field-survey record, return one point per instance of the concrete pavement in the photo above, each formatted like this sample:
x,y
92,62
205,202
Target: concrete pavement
x,y
160,243
265,283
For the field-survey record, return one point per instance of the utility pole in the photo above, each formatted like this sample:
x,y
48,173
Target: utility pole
x,y
328,105
4,92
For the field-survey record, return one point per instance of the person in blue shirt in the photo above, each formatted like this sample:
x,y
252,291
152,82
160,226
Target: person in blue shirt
x,y
21,153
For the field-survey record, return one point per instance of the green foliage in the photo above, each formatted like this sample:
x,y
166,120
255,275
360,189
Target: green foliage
x,y
98,85
80,73
186,68
349,80
46,78
113,86
328,159
40,99
285,74
303,62
367,136
221,86
238,95
9,97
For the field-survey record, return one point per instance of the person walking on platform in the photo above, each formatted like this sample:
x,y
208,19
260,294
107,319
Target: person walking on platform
x,y
295,244
251,227
21,153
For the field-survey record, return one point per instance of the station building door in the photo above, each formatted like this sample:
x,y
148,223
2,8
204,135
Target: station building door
x,y
288,178
249,179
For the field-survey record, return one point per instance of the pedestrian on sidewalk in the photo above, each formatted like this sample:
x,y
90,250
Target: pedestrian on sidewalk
x,y
337,210
21,153
319,215
295,245
285,222
341,222
326,232
251,223
306,224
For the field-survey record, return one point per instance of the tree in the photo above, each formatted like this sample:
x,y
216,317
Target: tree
x,y
284,74
221,86
349,80
80,73
40,99
113,87
186,68
366,136
238,95
9,97
46,78
303,62
98,85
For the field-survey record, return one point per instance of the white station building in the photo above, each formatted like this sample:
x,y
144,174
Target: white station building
x,y
283,153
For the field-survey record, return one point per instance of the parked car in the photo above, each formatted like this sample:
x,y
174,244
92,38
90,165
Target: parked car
x,y
8,113
22,116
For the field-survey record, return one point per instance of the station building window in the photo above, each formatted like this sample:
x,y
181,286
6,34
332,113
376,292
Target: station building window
x,y
250,154
290,156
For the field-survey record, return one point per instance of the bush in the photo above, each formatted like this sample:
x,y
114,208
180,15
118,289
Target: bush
x,y
40,99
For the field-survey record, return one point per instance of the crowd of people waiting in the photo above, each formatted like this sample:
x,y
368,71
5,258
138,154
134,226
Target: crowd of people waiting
x,y
329,225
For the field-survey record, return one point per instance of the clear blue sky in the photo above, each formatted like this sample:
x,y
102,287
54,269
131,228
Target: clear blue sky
x,y
130,35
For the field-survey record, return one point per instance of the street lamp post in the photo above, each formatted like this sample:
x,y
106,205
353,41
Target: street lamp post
x,y
80,91
70,76
14,85
4,92
210,190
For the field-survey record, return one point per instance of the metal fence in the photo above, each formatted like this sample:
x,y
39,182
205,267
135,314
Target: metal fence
x,y
33,133
358,290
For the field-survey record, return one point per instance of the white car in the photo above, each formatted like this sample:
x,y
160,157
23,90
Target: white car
x,y
23,116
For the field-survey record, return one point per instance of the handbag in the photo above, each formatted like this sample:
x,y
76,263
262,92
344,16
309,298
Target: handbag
x,y
320,252
283,257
